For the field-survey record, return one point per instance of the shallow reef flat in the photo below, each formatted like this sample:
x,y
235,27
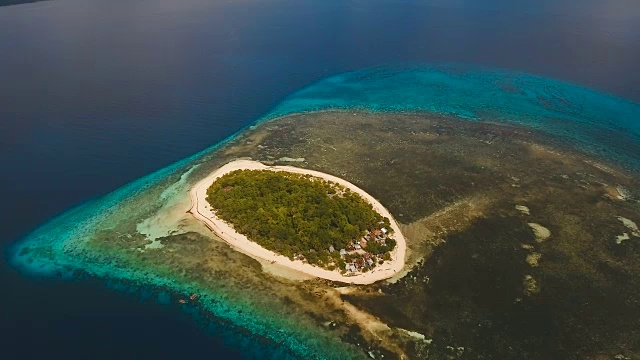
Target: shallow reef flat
x,y
465,194
521,244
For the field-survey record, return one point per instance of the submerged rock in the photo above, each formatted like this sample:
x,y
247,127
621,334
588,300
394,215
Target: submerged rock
x,y
530,285
621,238
623,193
533,259
523,209
630,225
542,233
527,246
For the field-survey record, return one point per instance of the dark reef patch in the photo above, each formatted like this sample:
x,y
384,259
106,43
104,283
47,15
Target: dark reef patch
x,y
469,294
483,286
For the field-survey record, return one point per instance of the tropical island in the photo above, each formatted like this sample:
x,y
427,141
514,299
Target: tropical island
x,y
305,220
505,224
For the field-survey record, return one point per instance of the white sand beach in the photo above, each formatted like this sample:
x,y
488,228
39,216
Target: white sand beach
x,y
202,211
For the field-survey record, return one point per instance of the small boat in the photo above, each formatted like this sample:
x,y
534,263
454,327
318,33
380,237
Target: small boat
x,y
193,297
182,301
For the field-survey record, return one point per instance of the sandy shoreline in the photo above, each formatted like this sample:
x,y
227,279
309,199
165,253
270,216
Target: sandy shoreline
x,y
201,210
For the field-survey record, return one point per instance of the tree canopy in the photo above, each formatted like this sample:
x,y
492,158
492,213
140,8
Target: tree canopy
x,y
292,213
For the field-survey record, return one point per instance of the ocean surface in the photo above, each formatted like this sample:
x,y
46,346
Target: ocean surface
x,y
94,94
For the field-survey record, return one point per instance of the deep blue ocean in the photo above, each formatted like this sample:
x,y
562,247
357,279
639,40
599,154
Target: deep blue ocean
x,y
97,93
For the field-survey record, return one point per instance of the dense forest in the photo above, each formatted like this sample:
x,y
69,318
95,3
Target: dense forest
x,y
295,214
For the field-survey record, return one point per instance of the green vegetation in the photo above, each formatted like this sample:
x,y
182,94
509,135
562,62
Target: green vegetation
x,y
295,214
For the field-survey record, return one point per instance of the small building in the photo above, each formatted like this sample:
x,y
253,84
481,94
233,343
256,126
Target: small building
x,y
343,252
377,233
331,249
357,246
384,230
363,243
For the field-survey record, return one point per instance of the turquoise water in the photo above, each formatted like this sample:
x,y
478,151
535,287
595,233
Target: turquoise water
x,y
595,122
598,123
57,249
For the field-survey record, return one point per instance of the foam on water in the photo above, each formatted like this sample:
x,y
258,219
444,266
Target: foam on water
x,y
592,121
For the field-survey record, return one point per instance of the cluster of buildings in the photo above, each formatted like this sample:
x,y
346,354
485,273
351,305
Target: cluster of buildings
x,y
356,257
360,263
